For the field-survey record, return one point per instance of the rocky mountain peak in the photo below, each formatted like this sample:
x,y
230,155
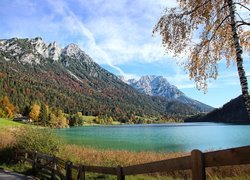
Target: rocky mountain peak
x,y
30,50
147,78
40,46
159,86
72,50
54,51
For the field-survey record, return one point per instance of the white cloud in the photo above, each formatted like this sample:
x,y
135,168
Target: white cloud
x,y
117,33
111,32
75,25
124,29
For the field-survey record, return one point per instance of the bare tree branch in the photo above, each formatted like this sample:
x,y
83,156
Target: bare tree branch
x,y
218,27
243,23
242,5
239,16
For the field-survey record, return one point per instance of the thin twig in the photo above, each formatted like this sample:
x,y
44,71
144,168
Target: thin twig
x,y
219,27
240,16
242,5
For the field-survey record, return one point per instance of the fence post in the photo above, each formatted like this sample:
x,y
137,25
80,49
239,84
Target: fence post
x,y
16,155
53,172
68,170
81,173
34,165
25,157
120,175
198,167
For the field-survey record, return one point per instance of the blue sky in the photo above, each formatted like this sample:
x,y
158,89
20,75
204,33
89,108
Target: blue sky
x,y
117,35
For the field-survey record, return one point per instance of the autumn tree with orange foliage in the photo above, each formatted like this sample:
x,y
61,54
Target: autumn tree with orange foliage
x,y
35,112
222,36
7,109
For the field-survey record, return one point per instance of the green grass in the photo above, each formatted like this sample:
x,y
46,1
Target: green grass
x,y
116,123
88,119
6,123
22,168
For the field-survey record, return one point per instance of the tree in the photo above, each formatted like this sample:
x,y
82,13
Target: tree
x,y
35,112
53,120
79,119
57,119
110,120
43,116
6,101
61,119
6,108
221,36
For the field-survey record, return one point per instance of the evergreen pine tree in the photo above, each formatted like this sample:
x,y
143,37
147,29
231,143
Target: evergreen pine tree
x,y
43,116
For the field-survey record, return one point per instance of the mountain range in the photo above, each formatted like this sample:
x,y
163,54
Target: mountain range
x,y
67,78
159,86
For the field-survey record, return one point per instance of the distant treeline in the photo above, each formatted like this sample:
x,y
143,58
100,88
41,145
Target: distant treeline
x,y
41,114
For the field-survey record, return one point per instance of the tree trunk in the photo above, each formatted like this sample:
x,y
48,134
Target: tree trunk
x,y
239,59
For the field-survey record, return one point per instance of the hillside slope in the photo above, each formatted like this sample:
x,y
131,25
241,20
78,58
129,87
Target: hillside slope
x,y
232,112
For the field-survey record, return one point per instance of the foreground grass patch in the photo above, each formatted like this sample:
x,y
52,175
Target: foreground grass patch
x,y
112,158
7,138
97,157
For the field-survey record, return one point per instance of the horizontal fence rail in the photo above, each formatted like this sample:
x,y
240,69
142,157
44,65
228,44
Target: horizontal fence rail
x,y
197,162
181,163
234,156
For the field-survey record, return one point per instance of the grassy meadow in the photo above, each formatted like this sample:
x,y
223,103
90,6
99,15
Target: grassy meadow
x,y
29,137
8,123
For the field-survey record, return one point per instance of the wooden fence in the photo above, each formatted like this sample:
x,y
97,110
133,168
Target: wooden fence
x,y
57,168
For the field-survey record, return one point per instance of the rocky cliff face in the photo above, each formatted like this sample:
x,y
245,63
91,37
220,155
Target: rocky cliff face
x,y
36,49
30,53
159,86
156,86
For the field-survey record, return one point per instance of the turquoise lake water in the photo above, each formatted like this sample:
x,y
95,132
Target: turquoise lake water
x,y
159,137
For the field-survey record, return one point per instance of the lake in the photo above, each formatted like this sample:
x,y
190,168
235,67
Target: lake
x,y
159,137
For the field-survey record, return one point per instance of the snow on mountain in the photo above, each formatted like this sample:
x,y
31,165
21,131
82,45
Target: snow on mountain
x,y
159,86
53,51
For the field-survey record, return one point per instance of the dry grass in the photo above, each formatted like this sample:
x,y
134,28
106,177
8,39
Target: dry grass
x,y
89,156
7,138
113,158
229,172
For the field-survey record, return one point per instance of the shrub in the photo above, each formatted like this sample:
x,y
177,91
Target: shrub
x,y
38,139
7,143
